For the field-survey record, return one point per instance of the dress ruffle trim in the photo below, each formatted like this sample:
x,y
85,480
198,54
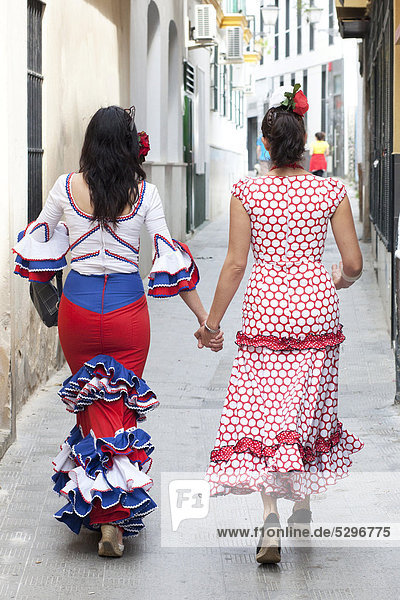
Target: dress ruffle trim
x,y
317,341
39,256
104,378
174,269
110,471
287,469
257,448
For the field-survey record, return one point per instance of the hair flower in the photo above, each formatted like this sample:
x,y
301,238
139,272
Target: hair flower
x,y
144,144
290,99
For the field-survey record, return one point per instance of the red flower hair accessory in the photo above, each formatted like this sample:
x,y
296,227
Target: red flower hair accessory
x,y
144,144
293,100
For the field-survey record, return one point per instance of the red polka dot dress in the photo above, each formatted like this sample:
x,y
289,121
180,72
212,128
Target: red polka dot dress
x,y
279,429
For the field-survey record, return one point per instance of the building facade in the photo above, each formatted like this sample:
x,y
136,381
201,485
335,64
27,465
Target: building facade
x,y
57,70
376,24
304,46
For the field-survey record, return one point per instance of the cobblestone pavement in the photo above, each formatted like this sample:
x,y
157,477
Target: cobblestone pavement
x,y
40,558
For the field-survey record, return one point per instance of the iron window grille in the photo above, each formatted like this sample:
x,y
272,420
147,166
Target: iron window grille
x,y
34,108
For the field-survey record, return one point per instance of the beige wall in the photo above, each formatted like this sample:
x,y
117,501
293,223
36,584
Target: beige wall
x,y
85,66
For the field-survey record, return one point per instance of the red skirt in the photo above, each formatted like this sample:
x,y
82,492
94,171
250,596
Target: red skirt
x,y
119,338
318,162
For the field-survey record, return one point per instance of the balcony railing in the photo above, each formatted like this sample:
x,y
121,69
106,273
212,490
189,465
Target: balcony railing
x,y
234,6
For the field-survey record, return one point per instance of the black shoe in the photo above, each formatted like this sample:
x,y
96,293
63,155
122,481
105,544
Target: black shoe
x,y
269,547
301,519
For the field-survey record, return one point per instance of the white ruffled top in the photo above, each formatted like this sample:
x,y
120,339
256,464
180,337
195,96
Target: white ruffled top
x,y
97,250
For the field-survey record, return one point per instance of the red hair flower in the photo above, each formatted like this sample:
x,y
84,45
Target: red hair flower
x,y
144,144
301,103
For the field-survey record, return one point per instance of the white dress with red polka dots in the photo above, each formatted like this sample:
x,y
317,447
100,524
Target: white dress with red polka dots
x,y
279,430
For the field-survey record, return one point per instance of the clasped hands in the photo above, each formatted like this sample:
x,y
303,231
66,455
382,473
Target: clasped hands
x,y
206,339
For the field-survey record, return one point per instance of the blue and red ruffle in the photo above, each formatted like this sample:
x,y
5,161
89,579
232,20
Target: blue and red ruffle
x,y
104,474
105,378
174,269
39,260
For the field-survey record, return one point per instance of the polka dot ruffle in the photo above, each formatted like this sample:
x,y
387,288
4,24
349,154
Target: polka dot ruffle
x,y
280,344
257,448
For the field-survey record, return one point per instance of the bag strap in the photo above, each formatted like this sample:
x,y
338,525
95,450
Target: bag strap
x,y
59,280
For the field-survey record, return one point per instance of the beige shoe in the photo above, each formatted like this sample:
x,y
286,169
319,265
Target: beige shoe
x,y
109,544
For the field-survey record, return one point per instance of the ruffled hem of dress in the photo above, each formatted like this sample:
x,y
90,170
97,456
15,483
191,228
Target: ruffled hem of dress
x,y
173,271
109,471
39,259
287,469
104,378
316,341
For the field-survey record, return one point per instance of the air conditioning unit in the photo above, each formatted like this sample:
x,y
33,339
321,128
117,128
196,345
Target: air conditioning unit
x,y
205,22
234,44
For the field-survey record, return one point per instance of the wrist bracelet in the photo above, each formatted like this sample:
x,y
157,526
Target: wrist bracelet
x,y
211,330
348,278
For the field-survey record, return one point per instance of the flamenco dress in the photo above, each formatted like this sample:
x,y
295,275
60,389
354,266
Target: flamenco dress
x,y
103,322
279,430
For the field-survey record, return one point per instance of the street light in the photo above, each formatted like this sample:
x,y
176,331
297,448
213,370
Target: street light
x,y
314,14
269,13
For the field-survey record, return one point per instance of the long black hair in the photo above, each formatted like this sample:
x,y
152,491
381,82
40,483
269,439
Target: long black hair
x,y
285,132
110,163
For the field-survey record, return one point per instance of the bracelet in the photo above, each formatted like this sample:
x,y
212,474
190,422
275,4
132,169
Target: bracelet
x,y
349,279
211,330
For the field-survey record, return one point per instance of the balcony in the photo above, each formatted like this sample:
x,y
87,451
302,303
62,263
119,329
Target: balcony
x,y
353,17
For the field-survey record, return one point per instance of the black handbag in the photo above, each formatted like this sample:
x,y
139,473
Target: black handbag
x,y
46,299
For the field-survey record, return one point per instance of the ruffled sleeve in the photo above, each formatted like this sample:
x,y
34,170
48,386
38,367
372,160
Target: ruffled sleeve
x,y
39,259
174,269
41,248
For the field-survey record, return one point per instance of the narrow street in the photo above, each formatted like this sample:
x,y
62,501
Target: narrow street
x,y
39,558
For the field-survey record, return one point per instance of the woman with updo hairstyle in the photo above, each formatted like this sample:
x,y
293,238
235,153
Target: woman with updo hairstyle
x,y
103,322
279,432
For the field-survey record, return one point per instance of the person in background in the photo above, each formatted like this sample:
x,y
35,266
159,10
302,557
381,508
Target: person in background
x,y
263,157
319,150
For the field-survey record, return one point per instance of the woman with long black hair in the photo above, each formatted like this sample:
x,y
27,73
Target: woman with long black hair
x,y
103,322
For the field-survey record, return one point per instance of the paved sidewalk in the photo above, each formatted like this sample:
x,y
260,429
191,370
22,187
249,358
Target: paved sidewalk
x,y
39,558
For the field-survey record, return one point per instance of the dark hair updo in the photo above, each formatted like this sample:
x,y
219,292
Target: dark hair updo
x,y
110,163
285,132
320,135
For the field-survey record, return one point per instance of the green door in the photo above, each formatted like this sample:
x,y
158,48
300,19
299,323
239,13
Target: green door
x,y
188,158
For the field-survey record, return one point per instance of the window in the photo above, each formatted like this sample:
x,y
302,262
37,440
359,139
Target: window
x,y
231,95
323,98
276,35
35,81
299,41
214,80
312,36
222,90
262,36
305,90
287,29
305,82
312,30
281,80
330,22
293,79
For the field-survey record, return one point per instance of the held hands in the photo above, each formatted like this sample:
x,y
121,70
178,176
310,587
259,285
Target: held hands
x,y
205,338
337,277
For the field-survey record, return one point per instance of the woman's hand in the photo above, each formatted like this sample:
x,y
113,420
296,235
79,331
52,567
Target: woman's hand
x,y
337,277
205,338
